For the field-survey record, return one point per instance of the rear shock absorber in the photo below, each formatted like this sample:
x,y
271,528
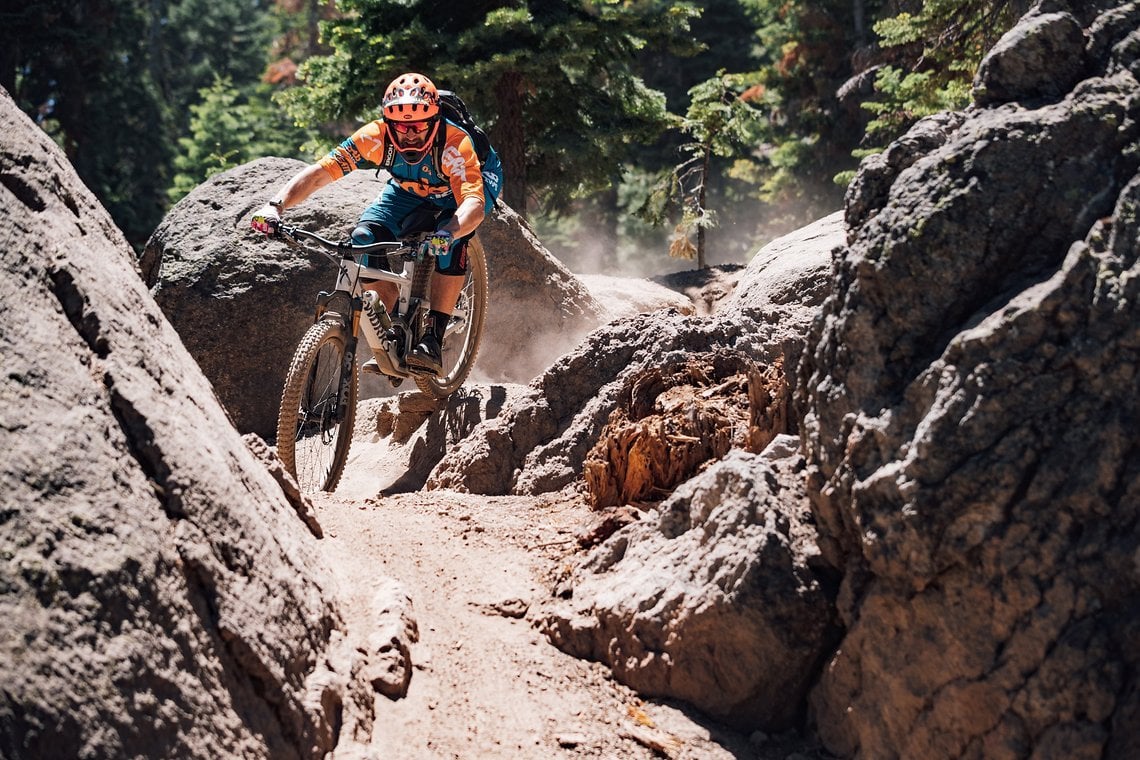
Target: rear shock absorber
x,y
377,314
378,320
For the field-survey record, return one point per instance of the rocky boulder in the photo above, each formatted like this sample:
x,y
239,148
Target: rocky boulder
x,y
241,302
971,416
712,597
1042,57
161,593
624,297
717,596
540,439
398,440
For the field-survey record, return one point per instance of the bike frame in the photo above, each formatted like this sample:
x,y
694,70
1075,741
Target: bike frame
x,y
319,396
411,307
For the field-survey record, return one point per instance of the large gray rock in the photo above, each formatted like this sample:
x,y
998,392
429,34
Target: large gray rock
x,y
713,597
540,439
971,434
1041,57
160,594
241,302
710,599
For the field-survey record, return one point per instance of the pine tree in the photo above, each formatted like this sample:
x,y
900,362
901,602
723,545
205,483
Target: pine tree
x,y
719,124
111,79
936,46
228,129
553,81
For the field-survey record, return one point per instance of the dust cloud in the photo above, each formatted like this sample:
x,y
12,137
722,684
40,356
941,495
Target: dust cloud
x,y
643,251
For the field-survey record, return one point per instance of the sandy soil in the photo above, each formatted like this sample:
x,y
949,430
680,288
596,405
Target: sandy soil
x,y
486,682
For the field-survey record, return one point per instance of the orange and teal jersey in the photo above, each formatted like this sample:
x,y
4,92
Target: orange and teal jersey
x,y
458,177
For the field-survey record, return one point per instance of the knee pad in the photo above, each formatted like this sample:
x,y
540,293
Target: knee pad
x,y
455,262
366,233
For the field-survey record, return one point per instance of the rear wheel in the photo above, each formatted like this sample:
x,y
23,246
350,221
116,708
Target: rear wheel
x,y
318,408
464,331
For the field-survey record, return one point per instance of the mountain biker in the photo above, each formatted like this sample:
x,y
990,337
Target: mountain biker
x,y
449,197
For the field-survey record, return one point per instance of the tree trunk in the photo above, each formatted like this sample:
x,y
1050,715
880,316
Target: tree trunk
x,y
509,138
606,217
858,11
702,196
156,51
314,16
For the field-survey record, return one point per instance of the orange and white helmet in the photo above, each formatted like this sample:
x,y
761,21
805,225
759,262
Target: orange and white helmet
x,y
411,97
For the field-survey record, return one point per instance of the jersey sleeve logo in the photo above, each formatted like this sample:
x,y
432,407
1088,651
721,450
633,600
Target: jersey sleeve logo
x,y
374,141
453,163
342,161
491,180
353,152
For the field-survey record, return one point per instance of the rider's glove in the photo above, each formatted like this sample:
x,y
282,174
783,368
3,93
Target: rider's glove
x,y
440,242
267,219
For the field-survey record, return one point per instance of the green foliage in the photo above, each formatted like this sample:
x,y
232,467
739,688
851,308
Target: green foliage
x,y
206,39
905,98
719,120
79,69
806,50
110,79
940,44
719,125
228,129
722,38
902,29
553,81
150,97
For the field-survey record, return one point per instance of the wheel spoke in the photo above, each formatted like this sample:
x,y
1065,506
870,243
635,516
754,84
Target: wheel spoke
x,y
313,438
463,330
317,433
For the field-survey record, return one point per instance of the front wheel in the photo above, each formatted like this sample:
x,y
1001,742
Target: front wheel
x,y
464,331
318,408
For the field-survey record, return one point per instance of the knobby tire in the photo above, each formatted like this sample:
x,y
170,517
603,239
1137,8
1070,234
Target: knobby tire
x,y
312,438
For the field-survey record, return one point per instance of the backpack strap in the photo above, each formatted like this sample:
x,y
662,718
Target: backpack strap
x,y
389,159
438,144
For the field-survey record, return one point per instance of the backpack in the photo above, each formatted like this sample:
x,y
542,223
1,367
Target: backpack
x,y
452,108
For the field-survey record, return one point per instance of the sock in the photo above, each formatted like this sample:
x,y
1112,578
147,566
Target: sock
x,y
439,322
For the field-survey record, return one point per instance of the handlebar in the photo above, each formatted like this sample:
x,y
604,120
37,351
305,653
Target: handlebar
x,y
296,236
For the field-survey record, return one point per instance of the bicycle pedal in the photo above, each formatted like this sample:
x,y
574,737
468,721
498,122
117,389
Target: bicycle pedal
x,y
418,369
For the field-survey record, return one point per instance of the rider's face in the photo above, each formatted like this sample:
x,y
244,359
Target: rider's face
x,y
411,134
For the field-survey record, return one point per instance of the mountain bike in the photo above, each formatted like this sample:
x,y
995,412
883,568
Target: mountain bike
x,y
318,402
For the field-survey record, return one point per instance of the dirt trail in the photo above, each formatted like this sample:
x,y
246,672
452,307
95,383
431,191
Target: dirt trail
x,y
486,683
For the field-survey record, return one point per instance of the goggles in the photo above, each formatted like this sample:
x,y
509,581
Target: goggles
x,y
410,127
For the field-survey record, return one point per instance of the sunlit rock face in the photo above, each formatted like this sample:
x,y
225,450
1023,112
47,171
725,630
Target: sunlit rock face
x,y
540,439
160,593
717,596
972,424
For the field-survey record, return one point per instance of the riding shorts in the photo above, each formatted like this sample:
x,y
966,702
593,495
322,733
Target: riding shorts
x,y
398,213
